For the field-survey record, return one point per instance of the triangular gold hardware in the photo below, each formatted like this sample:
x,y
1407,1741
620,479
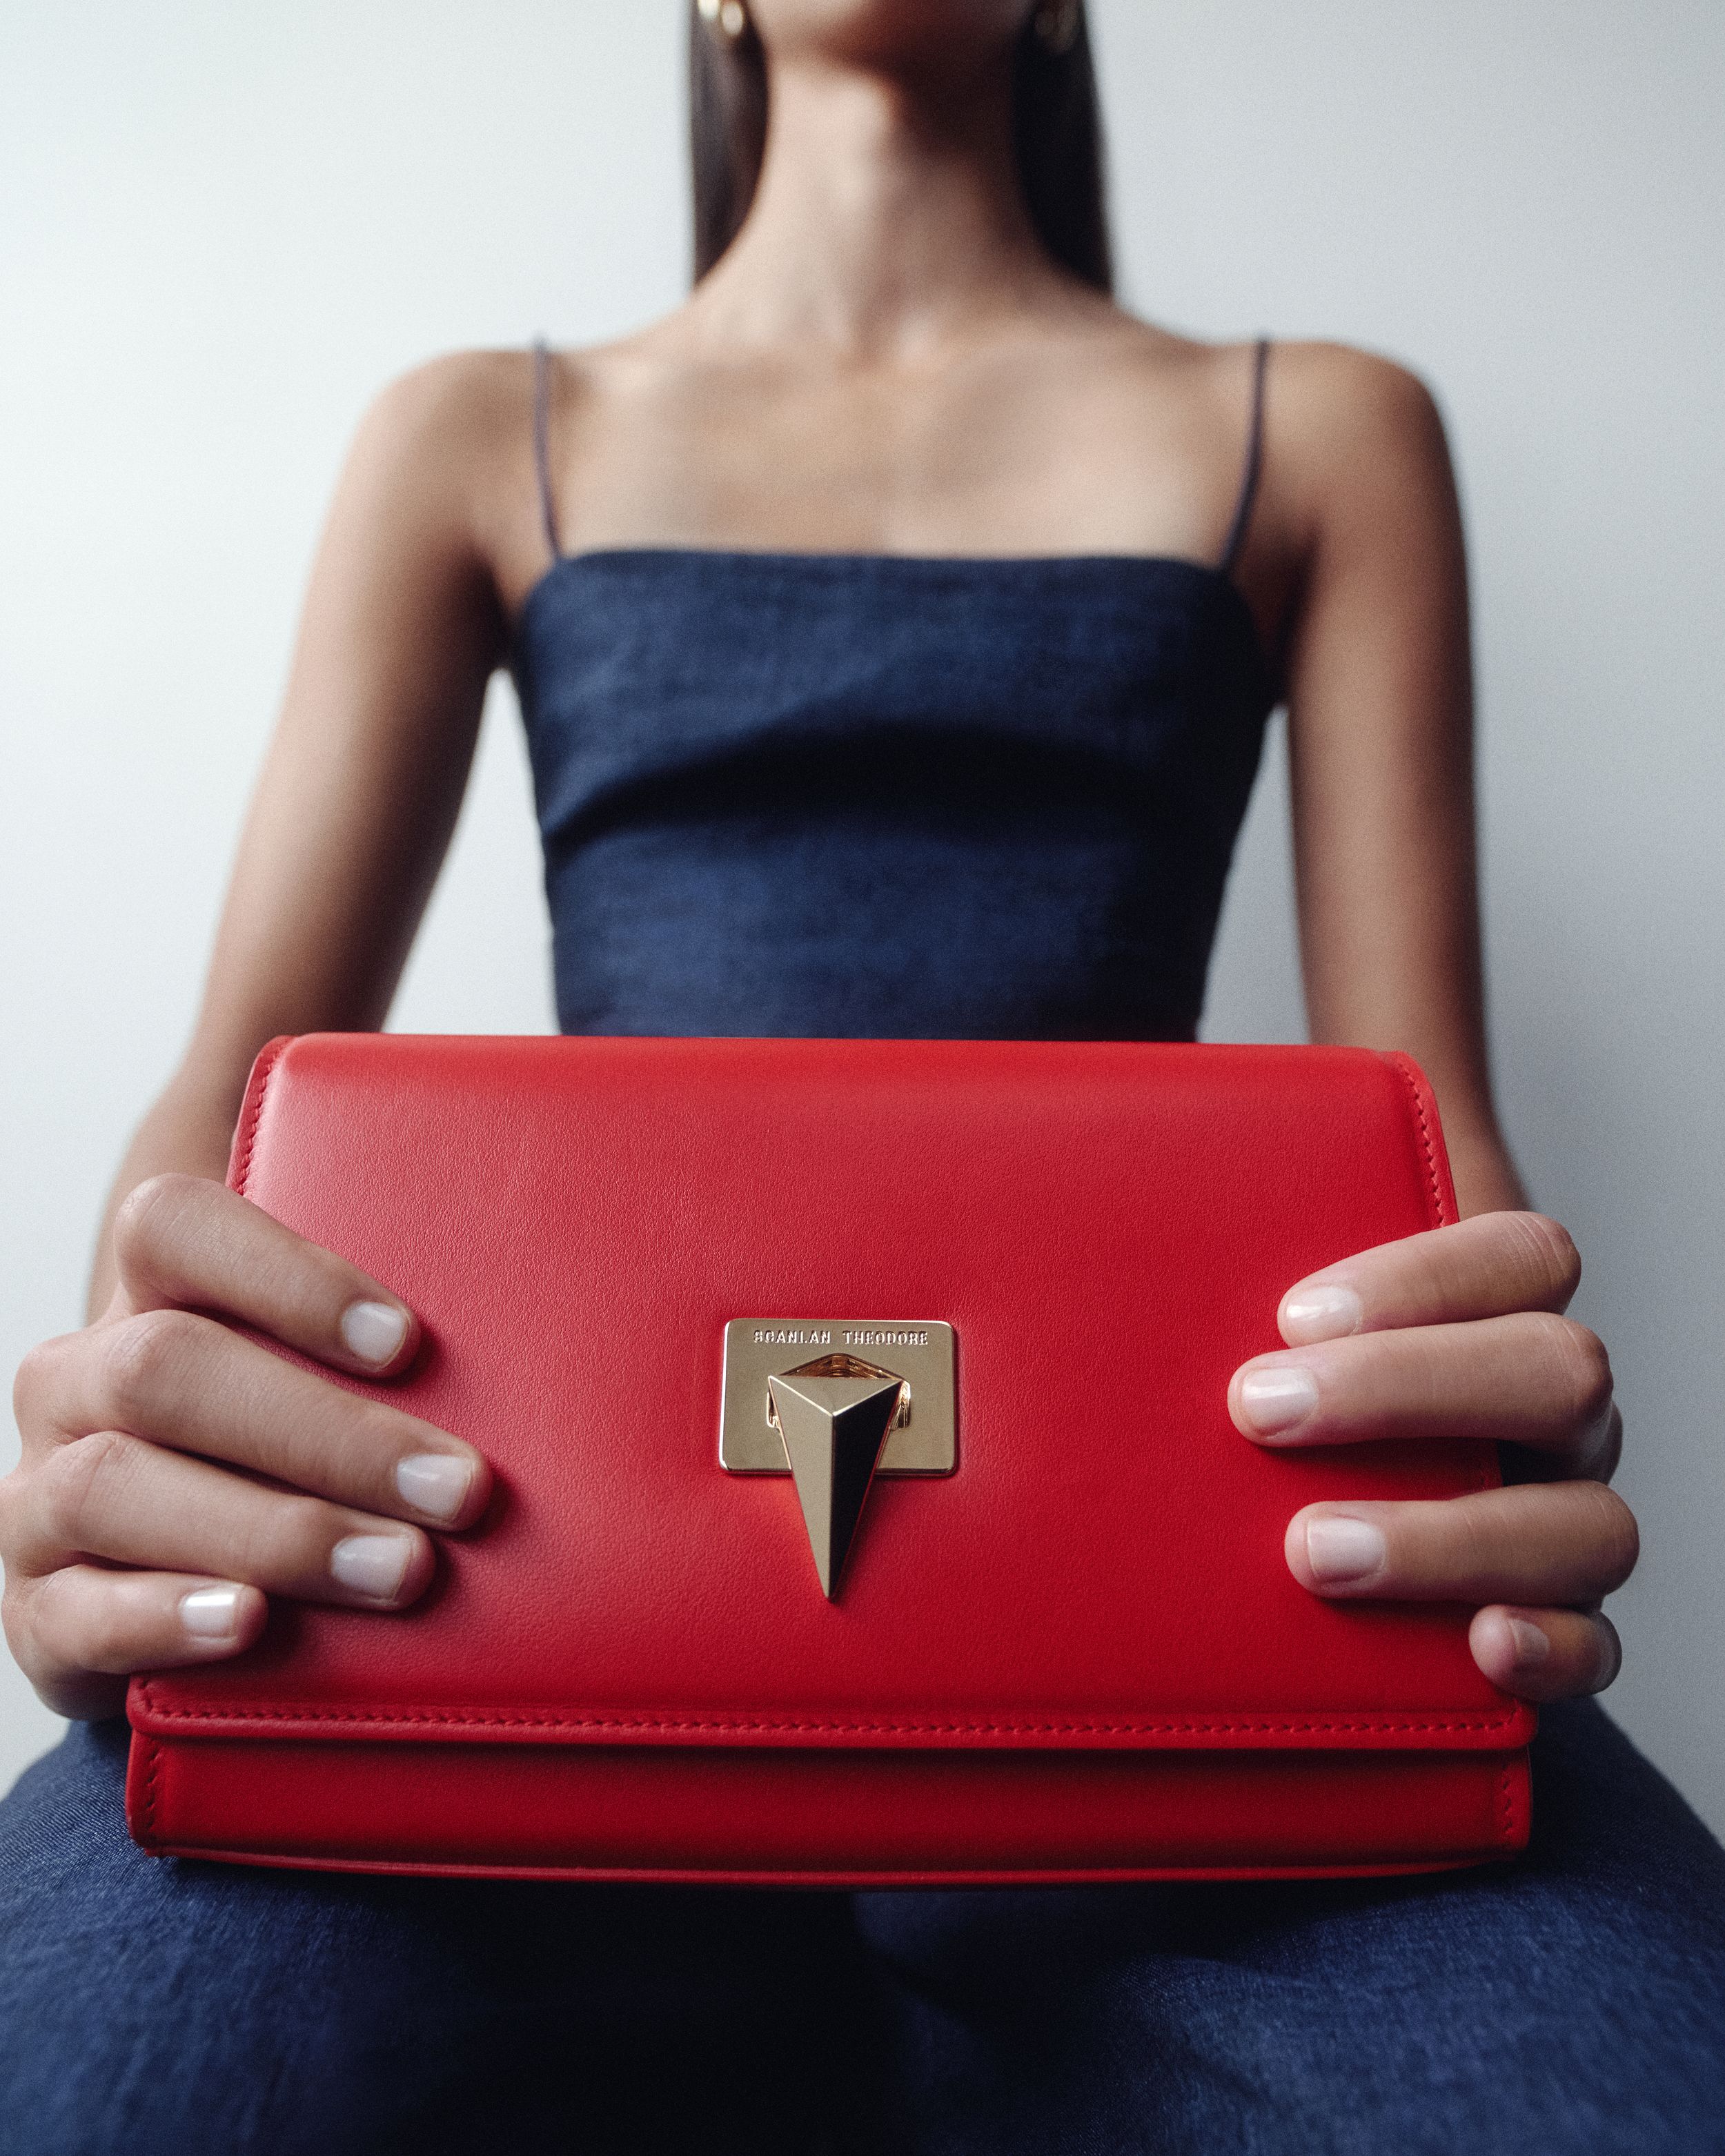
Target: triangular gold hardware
x,y
834,1415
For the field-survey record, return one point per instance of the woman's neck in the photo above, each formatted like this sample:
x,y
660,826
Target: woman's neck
x,y
888,219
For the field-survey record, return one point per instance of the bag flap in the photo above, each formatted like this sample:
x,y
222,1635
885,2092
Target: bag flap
x,y
1106,1226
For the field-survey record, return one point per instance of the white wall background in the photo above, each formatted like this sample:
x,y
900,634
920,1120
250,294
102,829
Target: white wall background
x,y
221,230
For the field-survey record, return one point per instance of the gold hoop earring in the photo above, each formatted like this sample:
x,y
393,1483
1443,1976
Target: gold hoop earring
x,y
730,18
1056,24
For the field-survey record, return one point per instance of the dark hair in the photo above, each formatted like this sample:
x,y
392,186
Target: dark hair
x,y
1057,132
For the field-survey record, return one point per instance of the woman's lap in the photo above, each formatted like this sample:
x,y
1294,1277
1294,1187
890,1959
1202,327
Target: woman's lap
x,y
1573,2001
151,2004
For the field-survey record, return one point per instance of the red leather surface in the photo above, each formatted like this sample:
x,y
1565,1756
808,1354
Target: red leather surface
x,y
1108,1226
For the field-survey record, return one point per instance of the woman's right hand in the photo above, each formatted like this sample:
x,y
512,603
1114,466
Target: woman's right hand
x,y
129,1541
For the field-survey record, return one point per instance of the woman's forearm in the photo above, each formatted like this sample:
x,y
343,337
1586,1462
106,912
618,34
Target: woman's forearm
x,y
1486,1180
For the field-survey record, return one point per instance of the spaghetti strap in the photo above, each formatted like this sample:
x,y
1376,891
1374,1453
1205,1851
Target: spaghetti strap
x,y
541,443
1254,458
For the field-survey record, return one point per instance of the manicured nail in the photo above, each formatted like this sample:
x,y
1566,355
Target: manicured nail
x,y
1276,1397
373,1564
435,1483
1325,1311
1610,1655
1339,1549
1532,1644
211,1615
373,1331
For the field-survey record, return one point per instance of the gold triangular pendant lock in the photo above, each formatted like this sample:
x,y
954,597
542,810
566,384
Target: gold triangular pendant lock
x,y
834,1415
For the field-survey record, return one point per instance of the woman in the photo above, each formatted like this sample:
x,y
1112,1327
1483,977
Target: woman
x,y
898,542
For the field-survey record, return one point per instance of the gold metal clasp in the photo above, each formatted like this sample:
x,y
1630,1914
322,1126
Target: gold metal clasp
x,y
807,1399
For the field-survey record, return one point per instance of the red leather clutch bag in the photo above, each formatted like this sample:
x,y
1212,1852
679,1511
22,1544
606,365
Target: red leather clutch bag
x,y
869,1512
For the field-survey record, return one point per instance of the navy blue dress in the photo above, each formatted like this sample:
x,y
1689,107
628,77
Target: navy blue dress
x,y
843,794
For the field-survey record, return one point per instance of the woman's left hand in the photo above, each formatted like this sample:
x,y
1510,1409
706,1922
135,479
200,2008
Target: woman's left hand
x,y
1459,1332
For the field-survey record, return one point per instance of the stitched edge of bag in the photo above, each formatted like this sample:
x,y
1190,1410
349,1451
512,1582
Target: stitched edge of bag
x,y
251,1114
1482,1724
1417,1084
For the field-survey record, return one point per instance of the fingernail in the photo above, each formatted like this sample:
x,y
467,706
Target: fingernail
x,y
1532,1644
211,1615
373,1564
435,1483
373,1331
1326,1311
1611,1656
1338,1549
1276,1397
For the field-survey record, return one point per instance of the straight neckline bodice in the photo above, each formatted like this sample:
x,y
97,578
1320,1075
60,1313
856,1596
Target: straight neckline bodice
x,y
926,568
909,795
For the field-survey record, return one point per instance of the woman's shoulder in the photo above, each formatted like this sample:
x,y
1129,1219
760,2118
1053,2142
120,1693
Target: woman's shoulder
x,y
1355,444
1325,403
1345,396
477,405
455,401
1343,427
447,443
1318,383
